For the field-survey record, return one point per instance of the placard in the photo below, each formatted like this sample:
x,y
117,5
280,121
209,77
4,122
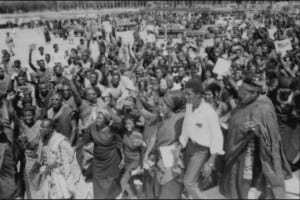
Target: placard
x,y
208,43
167,155
283,46
222,67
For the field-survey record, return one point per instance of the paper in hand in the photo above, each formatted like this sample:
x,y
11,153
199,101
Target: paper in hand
x,y
222,67
283,46
167,155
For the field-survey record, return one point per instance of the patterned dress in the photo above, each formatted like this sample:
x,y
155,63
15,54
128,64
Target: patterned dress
x,y
32,149
65,179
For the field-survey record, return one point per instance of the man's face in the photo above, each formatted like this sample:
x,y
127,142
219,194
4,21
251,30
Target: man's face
x,y
56,102
21,80
45,130
66,92
181,72
207,74
58,70
100,120
17,64
91,96
191,97
208,95
170,83
55,47
43,89
47,57
239,74
158,74
41,50
93,79
115,81
129,124
28,117
245,96
41,64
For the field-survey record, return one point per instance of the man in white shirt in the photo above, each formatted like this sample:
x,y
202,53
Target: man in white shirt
x,y
57,55
201,136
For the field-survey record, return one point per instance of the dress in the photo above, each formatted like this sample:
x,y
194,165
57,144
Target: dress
x,y
88,114
8,186
270,167
32,149
166,184
107,158
65,179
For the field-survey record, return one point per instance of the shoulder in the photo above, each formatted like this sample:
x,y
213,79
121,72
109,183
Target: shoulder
x,y
263,107
207,109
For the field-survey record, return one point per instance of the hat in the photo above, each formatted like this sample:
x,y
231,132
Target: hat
x,y
105,113
237,48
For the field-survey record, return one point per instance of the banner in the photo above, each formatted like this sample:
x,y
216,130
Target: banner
x,y
283,46
222,67
208,43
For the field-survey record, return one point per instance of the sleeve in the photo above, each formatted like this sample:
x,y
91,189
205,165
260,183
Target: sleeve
x,y
184,137
138,140
274,164
86,137
216,137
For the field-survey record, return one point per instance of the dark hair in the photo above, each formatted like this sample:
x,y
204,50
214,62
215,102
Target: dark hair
x,y
195,85
134,118
175,100
214,87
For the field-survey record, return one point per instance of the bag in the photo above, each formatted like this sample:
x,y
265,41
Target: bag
x,y
213,179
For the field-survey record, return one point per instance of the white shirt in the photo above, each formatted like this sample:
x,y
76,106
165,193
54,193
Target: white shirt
x,y
58,57
202,127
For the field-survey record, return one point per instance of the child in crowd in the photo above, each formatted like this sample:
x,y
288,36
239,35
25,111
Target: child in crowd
x,y
132,151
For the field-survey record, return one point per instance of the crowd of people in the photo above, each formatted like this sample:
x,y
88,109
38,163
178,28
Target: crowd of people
x,y
149,120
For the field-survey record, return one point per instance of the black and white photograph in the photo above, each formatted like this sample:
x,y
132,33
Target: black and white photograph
x,y
150,99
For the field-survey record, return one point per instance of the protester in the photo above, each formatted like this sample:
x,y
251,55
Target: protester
x,y
253,140
175,84
61,174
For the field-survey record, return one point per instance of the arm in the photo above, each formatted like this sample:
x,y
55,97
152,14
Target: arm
x,y
86,137
11,84
75,93
30,61
150,146
74,131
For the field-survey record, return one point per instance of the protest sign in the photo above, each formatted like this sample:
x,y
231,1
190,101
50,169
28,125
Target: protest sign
x,y
222,67
127,37
208,43
283,46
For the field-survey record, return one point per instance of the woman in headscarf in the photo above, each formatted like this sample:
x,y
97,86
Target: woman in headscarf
x,y
29,137
8,187
254,158
107,156
166,182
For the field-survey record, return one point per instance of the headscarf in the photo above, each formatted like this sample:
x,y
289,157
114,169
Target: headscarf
x,y
175,100
106,114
